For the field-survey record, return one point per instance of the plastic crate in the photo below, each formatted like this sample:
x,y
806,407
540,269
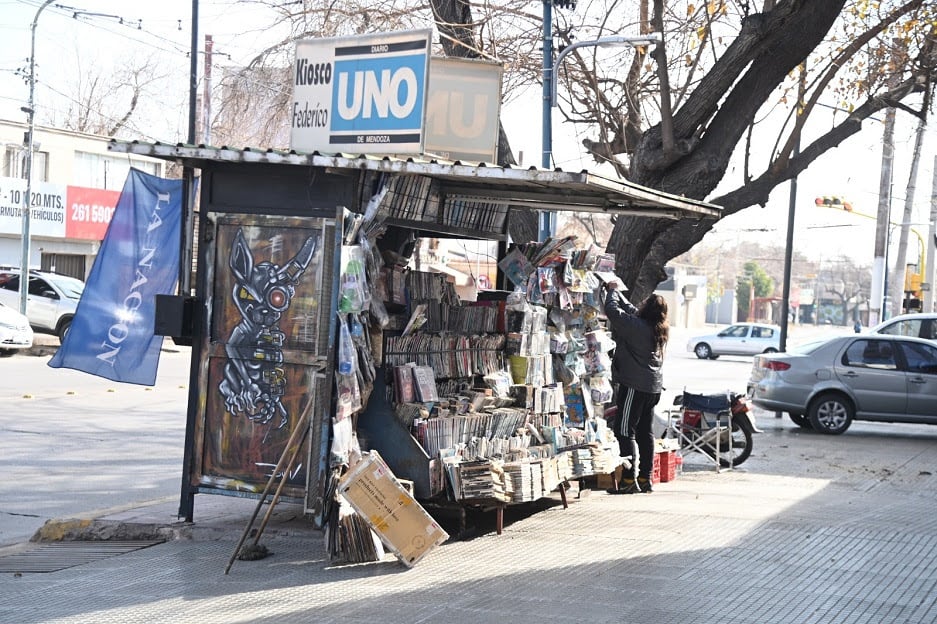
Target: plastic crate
x,y
655,471
668,466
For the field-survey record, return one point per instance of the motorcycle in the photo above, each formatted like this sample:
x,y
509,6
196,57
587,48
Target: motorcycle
x,y
718,425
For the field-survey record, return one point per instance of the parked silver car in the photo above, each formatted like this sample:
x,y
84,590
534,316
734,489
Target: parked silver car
x,y
738,339
825,385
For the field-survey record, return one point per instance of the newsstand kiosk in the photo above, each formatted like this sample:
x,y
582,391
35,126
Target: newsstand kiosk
x,y
272,284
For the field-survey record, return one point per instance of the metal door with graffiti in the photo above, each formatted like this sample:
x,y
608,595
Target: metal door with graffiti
x,y
267,356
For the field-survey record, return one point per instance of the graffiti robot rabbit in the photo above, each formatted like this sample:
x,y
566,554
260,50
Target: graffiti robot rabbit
x,y
254,382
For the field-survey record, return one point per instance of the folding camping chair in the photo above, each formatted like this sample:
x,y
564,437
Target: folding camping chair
x,y
703,423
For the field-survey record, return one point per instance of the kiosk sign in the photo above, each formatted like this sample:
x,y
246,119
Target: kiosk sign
x,y
362,94
463,109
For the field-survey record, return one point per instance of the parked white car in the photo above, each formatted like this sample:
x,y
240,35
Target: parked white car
x,y
922,325
15,332
51,298
738,339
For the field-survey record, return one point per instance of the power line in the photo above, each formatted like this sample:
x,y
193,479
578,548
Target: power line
x,y
130,124
101,21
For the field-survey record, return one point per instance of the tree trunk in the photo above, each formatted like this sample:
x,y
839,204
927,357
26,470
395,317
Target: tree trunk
x,y
707,129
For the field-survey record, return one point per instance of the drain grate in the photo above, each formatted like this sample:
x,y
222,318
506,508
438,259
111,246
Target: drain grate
x,y
56,556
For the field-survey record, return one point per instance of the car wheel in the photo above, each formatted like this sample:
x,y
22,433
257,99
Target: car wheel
x,y
831,413
703,351
64,326
800,420
770,350
7,352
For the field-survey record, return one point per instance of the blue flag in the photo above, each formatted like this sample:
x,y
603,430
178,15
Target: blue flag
x,y
112,333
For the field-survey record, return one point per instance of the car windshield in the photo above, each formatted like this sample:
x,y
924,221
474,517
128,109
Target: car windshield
x,y
70,287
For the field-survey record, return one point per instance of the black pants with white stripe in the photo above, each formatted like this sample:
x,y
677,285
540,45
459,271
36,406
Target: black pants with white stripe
x,y
633,428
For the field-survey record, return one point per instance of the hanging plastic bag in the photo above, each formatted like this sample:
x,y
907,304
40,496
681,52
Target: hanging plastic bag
x,y
348,395
354,295
342,436
347,354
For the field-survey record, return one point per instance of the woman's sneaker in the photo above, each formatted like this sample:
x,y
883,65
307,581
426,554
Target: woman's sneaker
x,y
627,486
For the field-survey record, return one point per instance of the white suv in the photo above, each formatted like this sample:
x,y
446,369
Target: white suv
x,y
51,299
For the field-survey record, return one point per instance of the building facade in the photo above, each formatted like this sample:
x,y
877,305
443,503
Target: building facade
x,y
76,183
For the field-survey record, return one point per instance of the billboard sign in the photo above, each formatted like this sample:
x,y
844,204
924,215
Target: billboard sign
x,y
463,109
364,94
47,207
58,210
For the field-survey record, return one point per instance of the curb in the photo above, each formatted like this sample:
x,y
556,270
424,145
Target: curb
x,y
92,530
40,350
43,344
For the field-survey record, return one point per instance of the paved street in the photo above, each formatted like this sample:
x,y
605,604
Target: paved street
x,y
73,442
812,529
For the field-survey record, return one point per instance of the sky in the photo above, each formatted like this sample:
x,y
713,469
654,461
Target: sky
x,y
74,35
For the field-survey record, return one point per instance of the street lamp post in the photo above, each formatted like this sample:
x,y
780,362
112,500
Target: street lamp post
x,y
546,219
549,89
30,111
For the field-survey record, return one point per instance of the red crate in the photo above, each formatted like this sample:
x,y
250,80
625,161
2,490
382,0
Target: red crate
x,y
668,466
655,472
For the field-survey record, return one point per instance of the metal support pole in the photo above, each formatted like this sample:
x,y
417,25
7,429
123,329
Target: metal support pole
x,y
187,494
546,218
931,242
886,299
791,211
788,258
30,111
188,173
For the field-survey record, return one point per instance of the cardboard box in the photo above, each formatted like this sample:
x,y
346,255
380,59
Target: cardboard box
x,y
390,510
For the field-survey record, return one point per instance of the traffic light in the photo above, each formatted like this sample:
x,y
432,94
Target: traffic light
x,y
833,202
911,304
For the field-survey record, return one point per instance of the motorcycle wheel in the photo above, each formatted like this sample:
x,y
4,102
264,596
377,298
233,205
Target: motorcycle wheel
x,y
741,448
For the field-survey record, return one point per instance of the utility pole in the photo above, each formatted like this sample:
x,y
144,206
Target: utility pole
x,y
878,311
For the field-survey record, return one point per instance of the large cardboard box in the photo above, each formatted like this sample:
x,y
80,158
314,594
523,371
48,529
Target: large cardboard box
x,y
402,524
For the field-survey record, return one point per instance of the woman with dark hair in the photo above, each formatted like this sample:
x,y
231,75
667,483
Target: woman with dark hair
x,y
640,339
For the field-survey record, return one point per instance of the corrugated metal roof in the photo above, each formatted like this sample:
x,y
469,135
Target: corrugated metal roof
x,y
533,188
